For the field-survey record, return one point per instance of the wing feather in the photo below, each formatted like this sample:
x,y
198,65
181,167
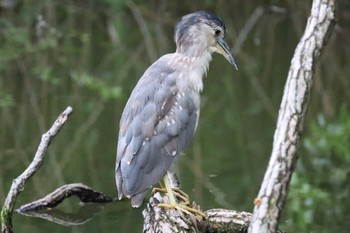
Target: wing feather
x,y
156,126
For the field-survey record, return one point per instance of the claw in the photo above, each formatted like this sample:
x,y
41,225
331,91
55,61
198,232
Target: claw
x,y
158,190
183,206
181,195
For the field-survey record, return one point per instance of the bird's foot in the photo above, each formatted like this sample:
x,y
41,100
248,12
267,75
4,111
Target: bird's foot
x,y
178,199
180,195
181,207
158,190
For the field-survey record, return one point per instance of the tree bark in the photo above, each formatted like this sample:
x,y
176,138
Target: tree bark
x,y
274,189
159,219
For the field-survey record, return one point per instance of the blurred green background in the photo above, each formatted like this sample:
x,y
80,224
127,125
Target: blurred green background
x,y
89,54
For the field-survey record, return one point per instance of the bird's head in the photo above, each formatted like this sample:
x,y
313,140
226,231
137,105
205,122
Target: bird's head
x,y
202,31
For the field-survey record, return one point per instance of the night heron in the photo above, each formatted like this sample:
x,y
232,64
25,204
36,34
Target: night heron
x,y
162,112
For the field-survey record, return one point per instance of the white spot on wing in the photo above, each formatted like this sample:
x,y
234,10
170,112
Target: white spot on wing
x,y
197,112
163,105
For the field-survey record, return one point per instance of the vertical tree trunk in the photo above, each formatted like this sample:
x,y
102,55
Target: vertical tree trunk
x,y
274,189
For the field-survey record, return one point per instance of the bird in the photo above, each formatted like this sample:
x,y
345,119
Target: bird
x,y
162,112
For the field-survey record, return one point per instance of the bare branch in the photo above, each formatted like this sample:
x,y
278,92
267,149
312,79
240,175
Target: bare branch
x,y
158,219
273,192
83,192
18,184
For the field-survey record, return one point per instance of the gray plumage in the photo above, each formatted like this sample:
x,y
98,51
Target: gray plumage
x,y
162,112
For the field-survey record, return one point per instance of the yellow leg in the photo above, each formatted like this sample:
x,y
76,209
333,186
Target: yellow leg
x,y
177,192
184,206
158,190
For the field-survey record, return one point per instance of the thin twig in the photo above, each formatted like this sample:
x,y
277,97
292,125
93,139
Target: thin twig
x,y
18,184
243,34
151,48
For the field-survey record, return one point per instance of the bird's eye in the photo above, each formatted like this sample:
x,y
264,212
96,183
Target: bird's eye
x,y
217,32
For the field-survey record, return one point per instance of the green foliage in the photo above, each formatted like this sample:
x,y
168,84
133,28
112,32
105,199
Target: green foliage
x,y
99,86
6,100
15,42
331,138
50,50
116,4
323,174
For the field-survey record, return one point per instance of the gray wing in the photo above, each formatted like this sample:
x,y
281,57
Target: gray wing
x,y
156,126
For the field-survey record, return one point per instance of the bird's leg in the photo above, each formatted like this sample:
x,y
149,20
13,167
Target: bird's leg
x,y
160,190
174,183
184,206
178,193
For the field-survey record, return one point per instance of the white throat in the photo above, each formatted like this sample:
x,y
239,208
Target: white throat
x,y
196,67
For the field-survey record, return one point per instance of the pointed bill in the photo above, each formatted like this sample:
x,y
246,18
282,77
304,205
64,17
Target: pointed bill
x,y
226,52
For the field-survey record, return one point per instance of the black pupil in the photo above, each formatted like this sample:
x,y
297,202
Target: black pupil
x,y
217,32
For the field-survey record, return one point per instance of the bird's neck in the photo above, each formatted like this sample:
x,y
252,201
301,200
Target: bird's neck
x,y
196,67
195,58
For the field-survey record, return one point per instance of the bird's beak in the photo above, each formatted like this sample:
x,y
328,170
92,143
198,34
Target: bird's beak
x,y
226,52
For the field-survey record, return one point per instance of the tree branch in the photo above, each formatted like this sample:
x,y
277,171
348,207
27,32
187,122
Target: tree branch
x,y
18,184
159,219
274,189
51,200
